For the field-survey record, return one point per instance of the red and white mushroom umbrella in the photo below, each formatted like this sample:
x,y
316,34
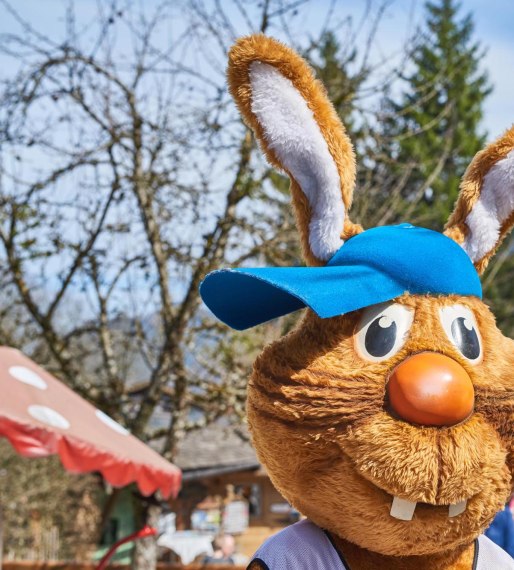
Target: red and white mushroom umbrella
x,y
41,416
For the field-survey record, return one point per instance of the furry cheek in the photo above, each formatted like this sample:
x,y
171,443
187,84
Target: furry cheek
x,y
436,466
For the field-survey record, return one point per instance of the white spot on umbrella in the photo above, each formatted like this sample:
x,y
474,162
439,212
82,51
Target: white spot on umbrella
x,y
111,423
46,415
28,376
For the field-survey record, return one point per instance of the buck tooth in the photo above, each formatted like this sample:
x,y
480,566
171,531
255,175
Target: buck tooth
x,y
402,509
457,509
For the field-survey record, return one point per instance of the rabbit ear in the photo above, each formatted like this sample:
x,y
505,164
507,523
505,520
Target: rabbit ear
x,y
301,134
484,213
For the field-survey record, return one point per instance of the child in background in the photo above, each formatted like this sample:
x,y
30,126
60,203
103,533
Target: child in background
x,y
501,530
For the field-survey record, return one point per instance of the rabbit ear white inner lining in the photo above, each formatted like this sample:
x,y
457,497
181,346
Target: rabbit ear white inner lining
x,y
296,139
493,207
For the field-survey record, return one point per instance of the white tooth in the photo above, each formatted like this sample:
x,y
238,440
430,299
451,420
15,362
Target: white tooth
x,y
457,509
402,509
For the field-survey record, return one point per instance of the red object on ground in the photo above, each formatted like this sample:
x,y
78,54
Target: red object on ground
x,y
145,532
40,416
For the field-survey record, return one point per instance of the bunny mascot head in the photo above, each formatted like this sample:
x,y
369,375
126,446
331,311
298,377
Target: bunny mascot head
x,y
386,416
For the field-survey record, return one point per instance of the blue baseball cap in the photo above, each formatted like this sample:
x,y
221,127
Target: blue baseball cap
x,y
372,267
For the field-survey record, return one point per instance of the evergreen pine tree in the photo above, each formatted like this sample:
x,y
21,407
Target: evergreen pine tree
x,y
336,68
436,124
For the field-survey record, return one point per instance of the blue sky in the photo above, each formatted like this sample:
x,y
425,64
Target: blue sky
x,y
494,21
494,28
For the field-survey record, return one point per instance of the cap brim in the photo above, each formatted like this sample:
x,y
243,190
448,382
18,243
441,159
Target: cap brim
x,y
243,298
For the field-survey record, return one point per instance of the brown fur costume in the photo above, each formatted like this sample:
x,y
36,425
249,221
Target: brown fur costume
x,y
318,409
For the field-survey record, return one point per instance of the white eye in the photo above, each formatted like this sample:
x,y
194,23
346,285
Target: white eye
x,y
382,331
461,328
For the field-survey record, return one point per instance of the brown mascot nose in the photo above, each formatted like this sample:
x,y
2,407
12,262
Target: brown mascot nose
x,y
431,389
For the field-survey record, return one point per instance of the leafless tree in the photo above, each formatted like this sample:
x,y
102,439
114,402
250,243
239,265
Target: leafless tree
x,y
124,178
120,190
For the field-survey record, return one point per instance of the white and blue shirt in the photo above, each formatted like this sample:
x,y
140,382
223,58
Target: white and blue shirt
x,y
304,546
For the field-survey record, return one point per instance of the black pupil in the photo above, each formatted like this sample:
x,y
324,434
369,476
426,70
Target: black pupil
x,y
466,338
380,336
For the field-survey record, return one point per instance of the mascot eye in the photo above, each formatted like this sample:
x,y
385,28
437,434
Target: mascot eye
x,y
461,328
382,331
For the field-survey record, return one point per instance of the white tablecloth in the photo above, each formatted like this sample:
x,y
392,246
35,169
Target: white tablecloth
x,y
187,544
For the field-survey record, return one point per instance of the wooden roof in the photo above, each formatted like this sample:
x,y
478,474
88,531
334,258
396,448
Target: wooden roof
x,y
215,447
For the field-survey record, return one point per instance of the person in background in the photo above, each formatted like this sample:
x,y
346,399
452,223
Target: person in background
x,y
224,547
501,530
